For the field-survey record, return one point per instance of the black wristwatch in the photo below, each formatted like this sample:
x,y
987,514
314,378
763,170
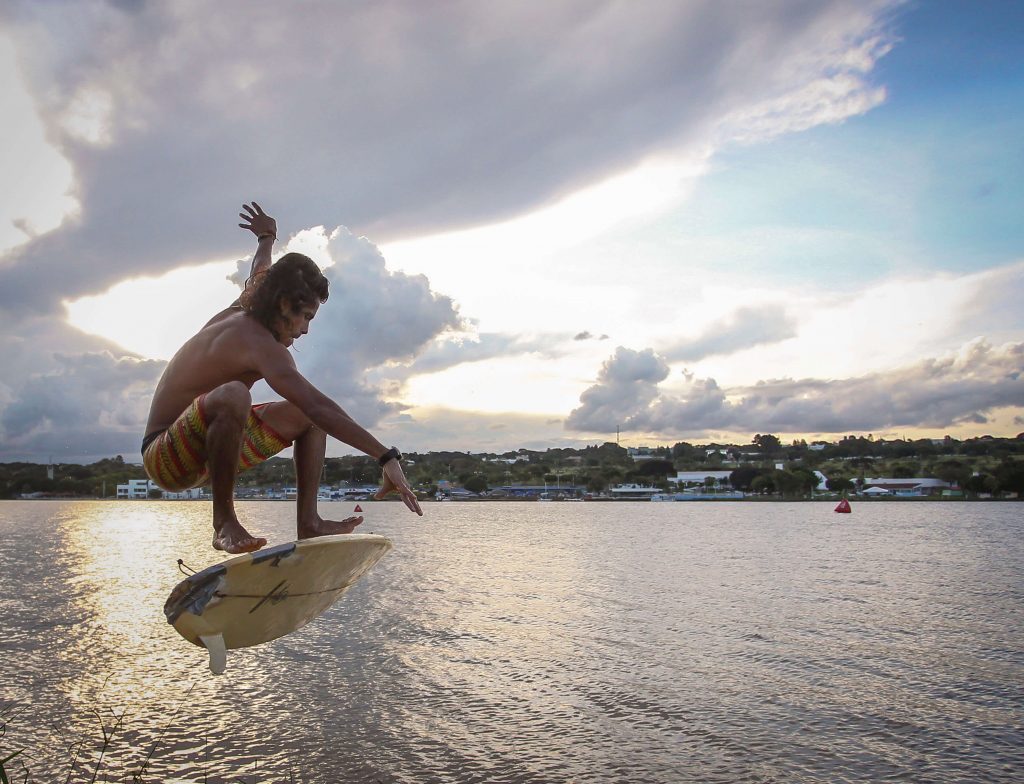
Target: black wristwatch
x,y
391,454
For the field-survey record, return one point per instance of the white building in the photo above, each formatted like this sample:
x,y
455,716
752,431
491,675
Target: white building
x,y
192,494
699,477
913,486
136,489
633,491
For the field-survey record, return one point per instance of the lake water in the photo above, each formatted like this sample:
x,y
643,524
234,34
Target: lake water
x,y
529,642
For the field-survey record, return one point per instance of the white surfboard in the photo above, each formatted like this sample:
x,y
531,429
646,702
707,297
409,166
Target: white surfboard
x,y
260,596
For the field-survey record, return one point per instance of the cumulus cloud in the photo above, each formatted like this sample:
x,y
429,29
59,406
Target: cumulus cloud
x,y
626,385
935,393
373,317
390,119
587,335
745,328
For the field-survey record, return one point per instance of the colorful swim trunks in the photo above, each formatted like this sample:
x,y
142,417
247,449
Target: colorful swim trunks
x,y
176,458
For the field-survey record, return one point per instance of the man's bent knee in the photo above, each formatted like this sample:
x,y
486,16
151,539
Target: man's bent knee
x,y
285,418
233,399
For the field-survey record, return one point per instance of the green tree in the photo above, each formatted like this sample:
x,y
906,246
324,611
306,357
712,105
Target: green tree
x,y
762,484
952,471
767,443
905,469
477,483
839,484
1011,478
651,468
981,483
807,480
596,483
742,478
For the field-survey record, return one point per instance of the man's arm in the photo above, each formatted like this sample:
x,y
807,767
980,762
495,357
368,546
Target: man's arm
x,y
278,369
265,229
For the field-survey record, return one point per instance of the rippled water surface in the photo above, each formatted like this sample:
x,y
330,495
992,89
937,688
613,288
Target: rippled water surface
x,y
674,642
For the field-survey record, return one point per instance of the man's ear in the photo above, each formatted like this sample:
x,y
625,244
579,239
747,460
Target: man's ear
x,y
285,306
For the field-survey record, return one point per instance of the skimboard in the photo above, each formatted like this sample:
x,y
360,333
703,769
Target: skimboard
x,y
256,597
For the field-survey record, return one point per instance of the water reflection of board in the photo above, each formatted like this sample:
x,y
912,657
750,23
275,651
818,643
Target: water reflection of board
x,y
256,597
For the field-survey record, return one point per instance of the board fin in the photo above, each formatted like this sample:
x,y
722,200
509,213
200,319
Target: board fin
x,y
218,653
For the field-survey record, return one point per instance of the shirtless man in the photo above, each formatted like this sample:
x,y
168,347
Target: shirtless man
x,y
203,427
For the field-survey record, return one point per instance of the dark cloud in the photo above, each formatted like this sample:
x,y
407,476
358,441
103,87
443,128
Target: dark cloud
x,y
935,393
745,328
388,117
90,405
586,335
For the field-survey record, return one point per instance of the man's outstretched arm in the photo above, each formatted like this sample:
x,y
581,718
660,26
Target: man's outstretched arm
x,y
278,369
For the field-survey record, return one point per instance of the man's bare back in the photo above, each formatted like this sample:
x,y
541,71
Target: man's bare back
x,y
220,352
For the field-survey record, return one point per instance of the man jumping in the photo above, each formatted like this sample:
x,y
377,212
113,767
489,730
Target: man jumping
x,y
203,427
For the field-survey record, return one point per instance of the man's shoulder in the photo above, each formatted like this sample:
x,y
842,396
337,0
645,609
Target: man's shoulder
x,y
236,321
240,330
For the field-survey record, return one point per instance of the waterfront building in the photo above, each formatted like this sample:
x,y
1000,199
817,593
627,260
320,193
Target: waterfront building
x,y
913,486
136,489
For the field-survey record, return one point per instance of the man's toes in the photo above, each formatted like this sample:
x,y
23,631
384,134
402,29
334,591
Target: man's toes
x,y
252,543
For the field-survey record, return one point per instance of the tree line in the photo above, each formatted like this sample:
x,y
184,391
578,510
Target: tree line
x,y
765,465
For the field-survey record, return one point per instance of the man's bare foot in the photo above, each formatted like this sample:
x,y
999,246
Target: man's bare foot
x,y
321,527
233,538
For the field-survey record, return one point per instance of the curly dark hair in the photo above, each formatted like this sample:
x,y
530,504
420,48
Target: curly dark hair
x,y
293,277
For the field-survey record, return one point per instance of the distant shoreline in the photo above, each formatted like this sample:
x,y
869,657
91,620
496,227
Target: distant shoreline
x,y
751,499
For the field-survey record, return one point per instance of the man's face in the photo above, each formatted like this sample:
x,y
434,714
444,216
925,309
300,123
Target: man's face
x,y
292,325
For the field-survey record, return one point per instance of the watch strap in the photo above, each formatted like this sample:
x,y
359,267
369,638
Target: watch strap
x,y
391,454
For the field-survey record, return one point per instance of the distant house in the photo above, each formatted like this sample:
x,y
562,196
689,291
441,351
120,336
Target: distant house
x,y
136,489
913,486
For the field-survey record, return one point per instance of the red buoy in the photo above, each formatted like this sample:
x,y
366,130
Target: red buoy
x,y
844,507
358,508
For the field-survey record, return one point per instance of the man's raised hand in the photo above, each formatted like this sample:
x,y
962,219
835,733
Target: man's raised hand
x,y
257,221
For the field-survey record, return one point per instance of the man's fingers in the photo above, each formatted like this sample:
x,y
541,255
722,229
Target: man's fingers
x,y
411,501
259,209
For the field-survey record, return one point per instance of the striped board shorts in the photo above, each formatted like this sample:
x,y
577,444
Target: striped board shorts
x,y
176,458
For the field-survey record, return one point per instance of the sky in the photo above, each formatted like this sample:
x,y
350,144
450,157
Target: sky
x,y
545,224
